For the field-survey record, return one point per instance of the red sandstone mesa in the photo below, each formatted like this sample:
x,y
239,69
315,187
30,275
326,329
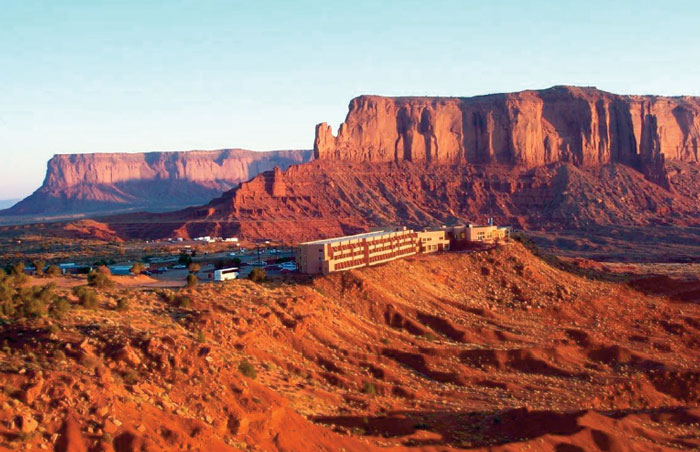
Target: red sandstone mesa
x,y
582,126
564,157
78,183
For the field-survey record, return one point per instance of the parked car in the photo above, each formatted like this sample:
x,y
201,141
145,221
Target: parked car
x,y
179,267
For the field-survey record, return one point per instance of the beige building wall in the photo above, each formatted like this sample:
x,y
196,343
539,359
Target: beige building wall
x,y
472,233
432,241
345,253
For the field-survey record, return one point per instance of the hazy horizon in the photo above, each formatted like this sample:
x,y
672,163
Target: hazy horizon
x,y
83,77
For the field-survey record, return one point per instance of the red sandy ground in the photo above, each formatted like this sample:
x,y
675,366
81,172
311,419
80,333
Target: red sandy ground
x,y
497,350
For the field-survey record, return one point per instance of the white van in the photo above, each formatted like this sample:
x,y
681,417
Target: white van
x,y
225,274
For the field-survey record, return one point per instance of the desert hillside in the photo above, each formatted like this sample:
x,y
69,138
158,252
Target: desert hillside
x,y
491,350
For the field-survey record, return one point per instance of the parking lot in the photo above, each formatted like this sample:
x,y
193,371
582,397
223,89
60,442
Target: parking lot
x,y
175,272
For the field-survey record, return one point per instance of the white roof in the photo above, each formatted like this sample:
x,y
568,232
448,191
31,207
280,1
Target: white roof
x,y
364,235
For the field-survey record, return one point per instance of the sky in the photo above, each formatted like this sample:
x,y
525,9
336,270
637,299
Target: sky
x,y
146,75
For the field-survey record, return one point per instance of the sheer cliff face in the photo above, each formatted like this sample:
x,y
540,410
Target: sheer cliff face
x,y
77,183
581,126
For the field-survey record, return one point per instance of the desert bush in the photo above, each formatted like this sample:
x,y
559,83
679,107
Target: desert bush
x,y
131,376
247,369
6,291
183,301
103,270
35,301
122,304
59,356
99,280
33,307
17,269
369,388
8,306
3,275
87,297
39,265
257,275
17,275
194,267
53,270
137,268
201,338
168,296
192,280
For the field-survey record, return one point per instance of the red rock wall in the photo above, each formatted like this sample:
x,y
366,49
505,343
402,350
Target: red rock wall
x,y
79,183
583,126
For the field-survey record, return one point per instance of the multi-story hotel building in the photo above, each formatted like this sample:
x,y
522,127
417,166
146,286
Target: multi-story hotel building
x,y
363,250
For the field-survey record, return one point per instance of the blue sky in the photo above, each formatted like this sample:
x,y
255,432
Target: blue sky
x,y
142,75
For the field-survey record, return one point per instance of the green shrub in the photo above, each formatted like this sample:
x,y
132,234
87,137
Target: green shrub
x,y
39,265
201,338
17,269
17,275
247,369
184,259
3,275
137,268
257,275
53,270
100,280
369,388
192,280
59,307
6,291
87,298
34,307
35,300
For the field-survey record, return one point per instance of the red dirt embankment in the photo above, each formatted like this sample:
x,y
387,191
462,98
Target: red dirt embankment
x,y
496,350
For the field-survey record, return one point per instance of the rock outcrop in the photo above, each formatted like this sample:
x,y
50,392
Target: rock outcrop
x,y
559,159
582,126
80,183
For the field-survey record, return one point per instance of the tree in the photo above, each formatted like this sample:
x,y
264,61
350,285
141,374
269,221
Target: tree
x,y
194,267
137,268
39,265
184,259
